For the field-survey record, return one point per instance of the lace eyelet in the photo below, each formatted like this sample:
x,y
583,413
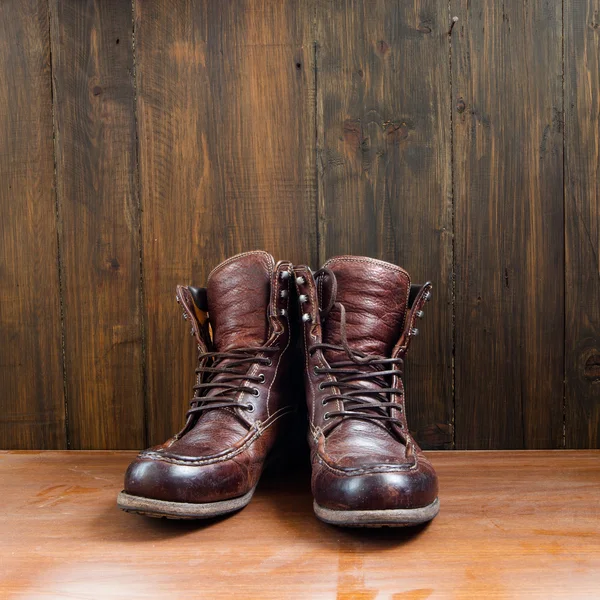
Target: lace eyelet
x,y
320,386
283,312
414,331
303,298
283,293
306,317
250,407
316,370
261,378
326,417
324,402
285,275
420,314
269,362
255,392
300,280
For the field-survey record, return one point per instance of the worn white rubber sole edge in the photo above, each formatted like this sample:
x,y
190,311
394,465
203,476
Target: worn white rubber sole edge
x,y
180,510
401,517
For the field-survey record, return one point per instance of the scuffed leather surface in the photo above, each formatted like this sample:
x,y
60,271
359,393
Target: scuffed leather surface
x,y
238,294
375,295
222,454
373,489
357,464
164,480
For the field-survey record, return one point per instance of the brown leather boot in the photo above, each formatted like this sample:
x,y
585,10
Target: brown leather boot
x,y
359,317
211,467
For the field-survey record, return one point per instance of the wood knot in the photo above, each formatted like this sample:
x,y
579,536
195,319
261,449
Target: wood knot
x,y
591,370
383,47
97,90
460,106
396,131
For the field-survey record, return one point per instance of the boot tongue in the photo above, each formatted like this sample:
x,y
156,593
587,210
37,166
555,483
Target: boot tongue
x,y
238,298
375,296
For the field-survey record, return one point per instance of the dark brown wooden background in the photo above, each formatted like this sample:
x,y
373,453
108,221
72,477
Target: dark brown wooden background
x,y
142,143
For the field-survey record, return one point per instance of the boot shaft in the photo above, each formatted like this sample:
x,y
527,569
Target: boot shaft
x,y
356,309
242,328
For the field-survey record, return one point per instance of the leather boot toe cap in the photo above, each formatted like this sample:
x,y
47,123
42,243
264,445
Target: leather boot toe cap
x,y
177,482
382,488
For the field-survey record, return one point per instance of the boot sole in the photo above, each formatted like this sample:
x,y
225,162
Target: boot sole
x,y
401,517
150,507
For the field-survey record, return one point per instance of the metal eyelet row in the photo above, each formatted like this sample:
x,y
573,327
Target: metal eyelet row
x,y
303,299
420,314
283,294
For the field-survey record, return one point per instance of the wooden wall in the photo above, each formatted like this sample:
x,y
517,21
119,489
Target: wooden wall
x,y
143,143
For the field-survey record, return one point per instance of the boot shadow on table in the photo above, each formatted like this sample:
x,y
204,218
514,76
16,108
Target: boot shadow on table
x,y
121,527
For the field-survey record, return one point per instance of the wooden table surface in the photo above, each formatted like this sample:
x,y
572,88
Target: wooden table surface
x,y
512,525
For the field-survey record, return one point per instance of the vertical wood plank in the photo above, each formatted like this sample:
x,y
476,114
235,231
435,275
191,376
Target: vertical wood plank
x,y
383,120
32,409
99,218
508,181
582,223
226,130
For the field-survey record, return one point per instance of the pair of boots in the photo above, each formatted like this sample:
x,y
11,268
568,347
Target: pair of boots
x,y
357,317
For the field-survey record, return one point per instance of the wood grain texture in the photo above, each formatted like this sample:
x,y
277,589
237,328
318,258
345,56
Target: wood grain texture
x,y
32,408
383,123
582,223
511,525
225,96
507,116
99,221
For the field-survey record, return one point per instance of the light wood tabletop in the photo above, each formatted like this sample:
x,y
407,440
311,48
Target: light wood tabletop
x,y
517,524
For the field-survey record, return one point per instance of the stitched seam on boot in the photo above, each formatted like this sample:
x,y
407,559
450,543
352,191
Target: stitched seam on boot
x,y
213,460
367,470
238,256
282,352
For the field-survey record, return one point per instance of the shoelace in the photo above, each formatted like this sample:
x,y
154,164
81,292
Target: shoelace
x,y
211,366
358,402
